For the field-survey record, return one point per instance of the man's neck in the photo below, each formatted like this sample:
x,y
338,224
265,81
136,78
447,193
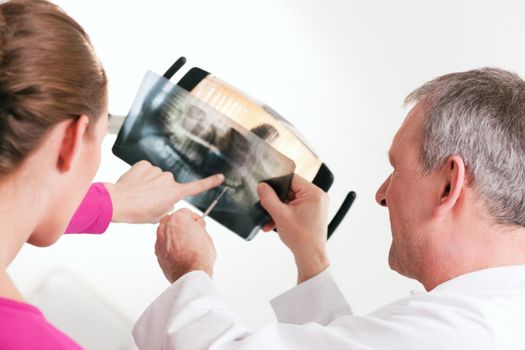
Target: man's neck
x,y
479,249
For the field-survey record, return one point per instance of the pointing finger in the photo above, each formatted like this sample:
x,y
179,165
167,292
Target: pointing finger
x,y
199,186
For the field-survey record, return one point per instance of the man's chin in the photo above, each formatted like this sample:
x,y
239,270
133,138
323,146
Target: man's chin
x,y
393,262
403,269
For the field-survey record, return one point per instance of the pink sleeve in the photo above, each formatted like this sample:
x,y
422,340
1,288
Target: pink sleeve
x,y
94,213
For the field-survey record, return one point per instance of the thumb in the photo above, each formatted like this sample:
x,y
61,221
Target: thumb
x,y
271,202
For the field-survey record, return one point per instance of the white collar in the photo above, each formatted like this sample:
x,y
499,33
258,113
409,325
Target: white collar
x,y
494,278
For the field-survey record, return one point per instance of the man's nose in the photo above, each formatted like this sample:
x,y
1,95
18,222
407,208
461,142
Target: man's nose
x,y
381,193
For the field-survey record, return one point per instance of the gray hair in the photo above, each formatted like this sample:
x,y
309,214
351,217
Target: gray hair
x,y
479,115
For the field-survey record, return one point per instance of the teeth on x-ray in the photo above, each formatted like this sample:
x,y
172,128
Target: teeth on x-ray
x,y
179,133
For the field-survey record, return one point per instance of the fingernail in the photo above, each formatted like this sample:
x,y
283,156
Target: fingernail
x,y
261,187
220,176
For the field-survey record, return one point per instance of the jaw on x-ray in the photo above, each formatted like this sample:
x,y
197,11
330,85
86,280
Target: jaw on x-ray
x,y
180,133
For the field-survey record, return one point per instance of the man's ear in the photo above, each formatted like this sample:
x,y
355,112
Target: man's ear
x,y
74,132
454,171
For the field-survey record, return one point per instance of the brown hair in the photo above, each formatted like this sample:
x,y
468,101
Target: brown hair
x,y
48,73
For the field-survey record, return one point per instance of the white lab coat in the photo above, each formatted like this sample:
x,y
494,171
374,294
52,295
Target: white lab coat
x,y
479,310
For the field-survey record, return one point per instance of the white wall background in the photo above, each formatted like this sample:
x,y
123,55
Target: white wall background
x,y
338,69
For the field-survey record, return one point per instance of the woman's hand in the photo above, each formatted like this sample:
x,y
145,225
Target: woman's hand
x,y
144,194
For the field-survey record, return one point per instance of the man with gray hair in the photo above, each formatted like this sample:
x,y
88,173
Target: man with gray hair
x,y
456,200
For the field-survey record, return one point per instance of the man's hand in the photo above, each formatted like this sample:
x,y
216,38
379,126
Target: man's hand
x,y
183,245
144,194
301,224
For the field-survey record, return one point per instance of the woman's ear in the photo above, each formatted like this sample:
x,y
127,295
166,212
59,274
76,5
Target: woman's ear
x,y
454,172
73,135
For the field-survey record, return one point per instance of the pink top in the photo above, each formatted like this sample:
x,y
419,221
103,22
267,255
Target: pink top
x,y
23,326
94,213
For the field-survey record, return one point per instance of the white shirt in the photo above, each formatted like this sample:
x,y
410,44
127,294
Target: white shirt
x,y
479,310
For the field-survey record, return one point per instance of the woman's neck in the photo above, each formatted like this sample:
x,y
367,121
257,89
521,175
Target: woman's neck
x,y
20,211
8,289
21,208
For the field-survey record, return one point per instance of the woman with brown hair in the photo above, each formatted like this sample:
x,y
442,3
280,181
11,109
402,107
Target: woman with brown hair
x,y
53,117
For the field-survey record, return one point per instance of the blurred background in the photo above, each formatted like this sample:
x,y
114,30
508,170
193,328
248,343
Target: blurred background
x,y
337,69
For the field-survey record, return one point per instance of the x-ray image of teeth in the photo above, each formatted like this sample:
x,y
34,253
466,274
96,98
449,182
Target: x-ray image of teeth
x,y
178,132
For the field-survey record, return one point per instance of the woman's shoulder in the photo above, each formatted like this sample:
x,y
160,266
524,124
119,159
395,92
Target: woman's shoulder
x,y
25,327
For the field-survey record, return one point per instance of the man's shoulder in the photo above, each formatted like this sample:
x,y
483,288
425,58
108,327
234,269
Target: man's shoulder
x,y
442,319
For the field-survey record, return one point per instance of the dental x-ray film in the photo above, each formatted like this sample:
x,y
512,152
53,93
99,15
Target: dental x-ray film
x,y
179,132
